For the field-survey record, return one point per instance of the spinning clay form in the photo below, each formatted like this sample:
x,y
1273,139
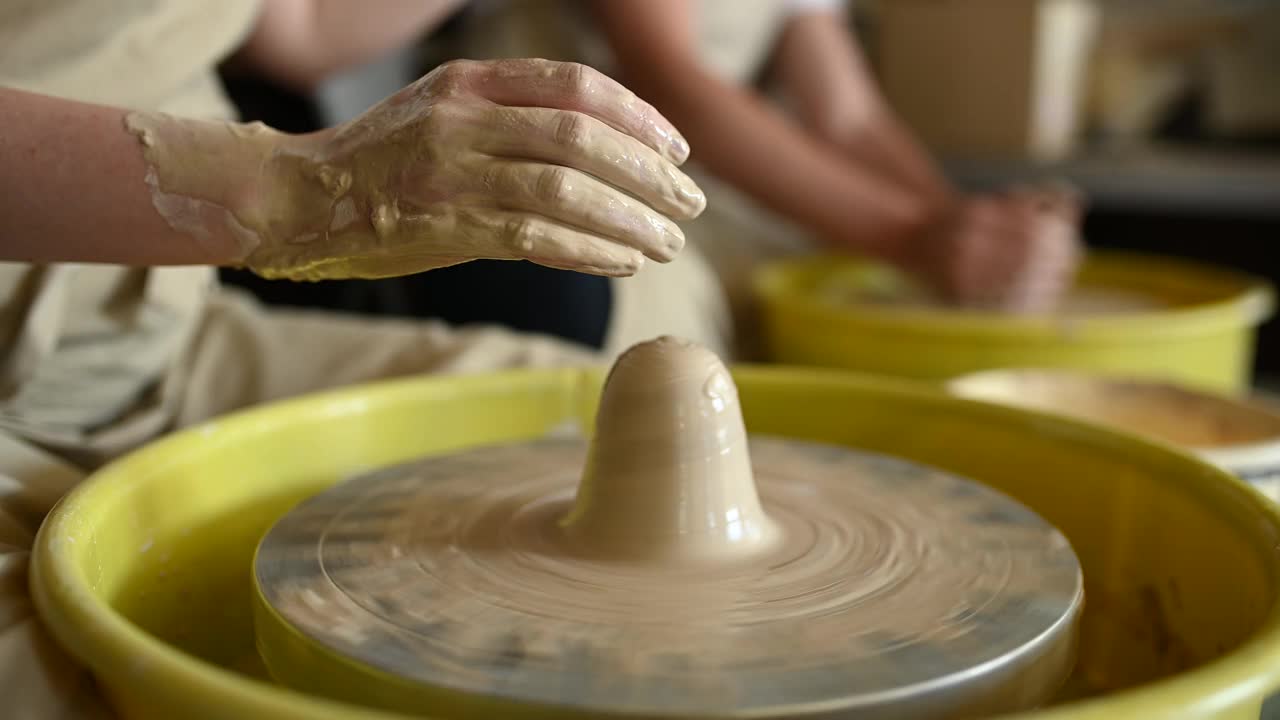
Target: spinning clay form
x,y
668,474
672,566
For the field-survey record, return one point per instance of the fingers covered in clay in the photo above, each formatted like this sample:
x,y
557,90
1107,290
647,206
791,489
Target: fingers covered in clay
x,y
498,233
546,242
578,200
578,88
515,159
580,141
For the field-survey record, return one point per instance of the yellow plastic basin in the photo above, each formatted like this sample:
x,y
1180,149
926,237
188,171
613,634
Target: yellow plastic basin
x,y
1203,335
144,571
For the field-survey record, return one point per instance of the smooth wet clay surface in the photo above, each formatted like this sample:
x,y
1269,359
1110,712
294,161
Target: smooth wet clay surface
x,y
668,476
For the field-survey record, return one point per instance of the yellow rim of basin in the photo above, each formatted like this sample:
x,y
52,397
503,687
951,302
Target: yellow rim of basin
x,y
101,637
1242,300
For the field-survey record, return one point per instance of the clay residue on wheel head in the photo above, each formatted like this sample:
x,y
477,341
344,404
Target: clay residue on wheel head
x,y
892,590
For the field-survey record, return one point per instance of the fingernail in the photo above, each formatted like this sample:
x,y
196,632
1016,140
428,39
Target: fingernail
x,y
679,148
691,196
675,240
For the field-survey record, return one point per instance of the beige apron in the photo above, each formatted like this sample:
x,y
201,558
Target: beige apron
x,y
705,293
87,361
95,359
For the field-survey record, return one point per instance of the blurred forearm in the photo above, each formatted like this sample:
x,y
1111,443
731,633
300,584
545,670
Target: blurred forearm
x,y
739,136
300,43
826,76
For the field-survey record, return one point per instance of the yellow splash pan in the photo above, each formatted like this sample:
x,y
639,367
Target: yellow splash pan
x,y
144,571
1203,335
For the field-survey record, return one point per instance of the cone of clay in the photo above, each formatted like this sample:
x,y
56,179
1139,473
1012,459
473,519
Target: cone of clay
x,y
668,476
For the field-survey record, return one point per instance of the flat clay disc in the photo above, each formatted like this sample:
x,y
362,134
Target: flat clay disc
x,y
895,590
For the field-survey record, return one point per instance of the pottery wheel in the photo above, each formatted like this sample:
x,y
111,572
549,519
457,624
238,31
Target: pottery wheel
x,y
796,579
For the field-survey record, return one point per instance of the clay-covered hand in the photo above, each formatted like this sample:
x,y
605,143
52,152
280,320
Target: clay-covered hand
x,y
1016,252
510,159
516,159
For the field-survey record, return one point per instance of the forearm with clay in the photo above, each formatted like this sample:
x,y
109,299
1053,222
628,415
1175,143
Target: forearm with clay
x,y
548,162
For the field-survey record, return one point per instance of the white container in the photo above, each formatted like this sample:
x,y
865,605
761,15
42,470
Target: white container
x,y
1240,436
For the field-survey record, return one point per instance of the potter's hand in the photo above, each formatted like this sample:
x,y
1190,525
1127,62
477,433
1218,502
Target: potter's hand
x,y
1016,252
520,159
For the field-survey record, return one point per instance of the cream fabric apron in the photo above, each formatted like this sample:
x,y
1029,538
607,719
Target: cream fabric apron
x,y
87,348
705,293
88,353
96,359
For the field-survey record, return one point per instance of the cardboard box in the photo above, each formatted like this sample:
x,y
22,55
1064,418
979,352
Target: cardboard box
x,y
988,77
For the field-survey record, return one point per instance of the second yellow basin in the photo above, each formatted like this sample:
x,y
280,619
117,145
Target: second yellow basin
x,y
1201,335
